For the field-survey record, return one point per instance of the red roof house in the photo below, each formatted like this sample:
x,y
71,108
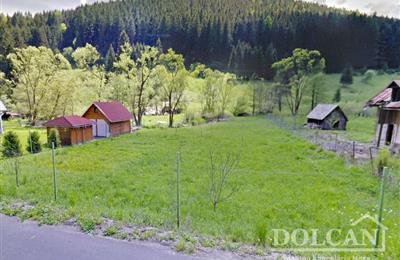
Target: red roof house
x,y
72,129
109,118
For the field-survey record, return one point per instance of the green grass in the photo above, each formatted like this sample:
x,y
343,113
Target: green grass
x,y
284,182
161,121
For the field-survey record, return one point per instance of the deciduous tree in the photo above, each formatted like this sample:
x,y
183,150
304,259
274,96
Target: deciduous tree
x,y
294,73
88,59
34,71
175,74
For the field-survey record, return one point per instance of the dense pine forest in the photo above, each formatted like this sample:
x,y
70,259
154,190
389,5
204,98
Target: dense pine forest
x,y
244,37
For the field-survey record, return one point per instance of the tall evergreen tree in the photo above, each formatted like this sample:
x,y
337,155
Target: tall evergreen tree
x,y
110,58
123,38
347,75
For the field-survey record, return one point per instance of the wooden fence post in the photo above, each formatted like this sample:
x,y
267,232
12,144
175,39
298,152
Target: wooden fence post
x,y
354,149
54,170
371,157
336,142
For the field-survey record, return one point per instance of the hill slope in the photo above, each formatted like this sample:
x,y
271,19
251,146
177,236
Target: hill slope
x,y
241,36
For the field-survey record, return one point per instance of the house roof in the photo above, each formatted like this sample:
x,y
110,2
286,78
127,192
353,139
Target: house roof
x,y
394,83
321,111
114,111
69,122
392,105
383,96
2,107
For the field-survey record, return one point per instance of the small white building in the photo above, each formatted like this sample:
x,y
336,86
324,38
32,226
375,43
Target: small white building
x,y
3,109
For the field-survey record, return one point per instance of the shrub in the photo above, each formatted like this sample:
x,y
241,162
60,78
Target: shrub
x,y
87,224
34,145
54,137
337,96
180,246
240,106
347,75
369,74
383,159
261,233
111,231
11,145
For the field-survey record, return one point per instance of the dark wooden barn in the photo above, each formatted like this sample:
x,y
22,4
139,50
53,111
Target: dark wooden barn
x,y
327,117
109,118
72,129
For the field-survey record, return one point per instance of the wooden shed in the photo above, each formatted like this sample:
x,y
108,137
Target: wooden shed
x,y
327,117
109,118
387,102
72,129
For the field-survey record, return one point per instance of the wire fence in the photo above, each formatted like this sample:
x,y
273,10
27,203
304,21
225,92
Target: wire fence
x,y
328,141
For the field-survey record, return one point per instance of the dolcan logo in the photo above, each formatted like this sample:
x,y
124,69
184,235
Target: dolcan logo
x,y
366,234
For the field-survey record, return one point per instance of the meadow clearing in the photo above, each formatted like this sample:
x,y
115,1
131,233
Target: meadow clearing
x,y
283,181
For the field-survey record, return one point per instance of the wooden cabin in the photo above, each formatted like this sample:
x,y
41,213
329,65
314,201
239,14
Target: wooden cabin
x,y
387,102
109,119
327,117
72,129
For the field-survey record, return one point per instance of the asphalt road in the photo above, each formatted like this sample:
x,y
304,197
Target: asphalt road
x,y
27,240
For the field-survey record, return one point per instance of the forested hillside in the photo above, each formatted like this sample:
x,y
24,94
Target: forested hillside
x,y
244,36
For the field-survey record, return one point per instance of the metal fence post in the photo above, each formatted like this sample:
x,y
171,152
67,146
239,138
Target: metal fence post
x,y
382,194
54,170
178,202
16,168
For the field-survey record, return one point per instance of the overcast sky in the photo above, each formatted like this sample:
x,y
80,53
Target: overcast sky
x,y
382,7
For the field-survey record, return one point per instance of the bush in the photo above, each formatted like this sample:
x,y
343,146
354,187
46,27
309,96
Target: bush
x,y
241,106
368,75
87,224
261,234
383,159
337,96
11,145
347,75
54,137
34,145
193,119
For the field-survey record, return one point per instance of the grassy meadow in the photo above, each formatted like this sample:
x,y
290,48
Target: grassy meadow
x,y
284,182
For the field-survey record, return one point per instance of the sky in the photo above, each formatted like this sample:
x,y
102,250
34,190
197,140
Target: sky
x,y
382,7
